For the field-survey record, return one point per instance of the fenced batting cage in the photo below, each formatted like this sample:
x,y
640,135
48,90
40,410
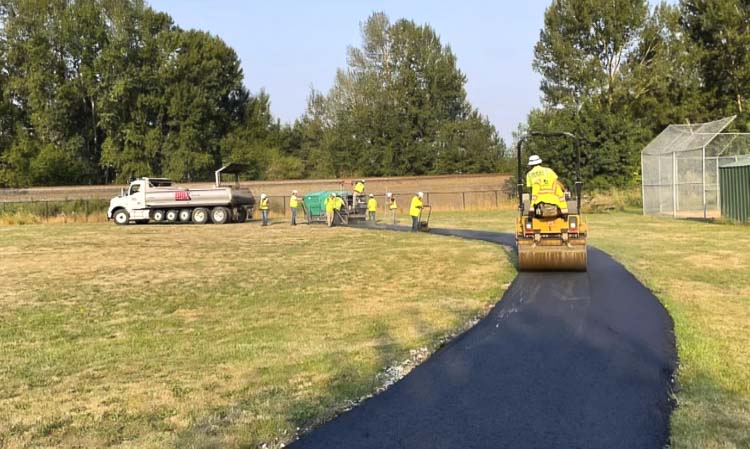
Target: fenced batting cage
x,y
680,168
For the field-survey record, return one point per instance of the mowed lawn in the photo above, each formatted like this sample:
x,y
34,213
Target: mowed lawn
x,y
701,273
217,336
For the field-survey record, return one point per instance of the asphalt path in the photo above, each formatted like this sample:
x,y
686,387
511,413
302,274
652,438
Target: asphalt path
x,y
564,360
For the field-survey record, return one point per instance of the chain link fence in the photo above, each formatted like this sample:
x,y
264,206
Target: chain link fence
x,y
95,210
680,168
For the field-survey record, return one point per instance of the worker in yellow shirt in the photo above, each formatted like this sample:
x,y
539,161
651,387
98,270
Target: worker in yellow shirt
x,y
414,210
265,205
357,191
294,202
392,206
545,187
339,203
372,208
330,204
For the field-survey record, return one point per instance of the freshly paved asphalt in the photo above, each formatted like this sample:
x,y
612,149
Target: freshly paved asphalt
x,y
564,360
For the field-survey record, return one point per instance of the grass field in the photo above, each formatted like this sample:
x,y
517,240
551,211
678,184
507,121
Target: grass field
x,y
701,272
216,336
158,336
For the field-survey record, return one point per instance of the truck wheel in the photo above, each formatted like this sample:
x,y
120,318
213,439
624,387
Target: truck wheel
x,y
122,217
200,215
219,215
185,215
158,215
172,215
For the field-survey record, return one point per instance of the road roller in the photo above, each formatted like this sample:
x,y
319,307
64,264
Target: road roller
x,y
550,237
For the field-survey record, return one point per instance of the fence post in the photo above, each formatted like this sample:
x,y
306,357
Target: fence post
x,y
86,210
497,203
463,200
46,210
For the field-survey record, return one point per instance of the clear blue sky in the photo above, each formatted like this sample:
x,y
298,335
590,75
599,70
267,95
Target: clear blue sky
x,y
287,46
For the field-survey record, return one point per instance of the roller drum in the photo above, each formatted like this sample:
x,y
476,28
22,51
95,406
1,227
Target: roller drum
x,y
552,258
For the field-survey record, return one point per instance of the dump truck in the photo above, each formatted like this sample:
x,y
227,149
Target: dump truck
x,y
158,200
548,238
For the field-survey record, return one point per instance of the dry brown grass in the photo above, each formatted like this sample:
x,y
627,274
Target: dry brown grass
x,y
215,336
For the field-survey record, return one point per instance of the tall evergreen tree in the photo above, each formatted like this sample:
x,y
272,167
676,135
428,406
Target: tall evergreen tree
x,y
400,106
720,30
614,73
92,89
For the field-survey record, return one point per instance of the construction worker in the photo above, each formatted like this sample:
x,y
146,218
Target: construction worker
x,y
339,203
415,209
294,201
392,206
265,205
545,187
358,190
372,207
330,204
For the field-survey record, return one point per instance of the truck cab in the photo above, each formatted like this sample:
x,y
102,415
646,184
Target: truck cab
x,y
133,200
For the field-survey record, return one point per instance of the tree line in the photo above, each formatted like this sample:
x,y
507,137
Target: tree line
x,y
616,72
96,91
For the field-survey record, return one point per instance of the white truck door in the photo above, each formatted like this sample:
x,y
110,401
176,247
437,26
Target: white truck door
x,y
136,198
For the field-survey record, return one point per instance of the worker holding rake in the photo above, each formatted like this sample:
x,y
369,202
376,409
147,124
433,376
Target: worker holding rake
x,y
415,210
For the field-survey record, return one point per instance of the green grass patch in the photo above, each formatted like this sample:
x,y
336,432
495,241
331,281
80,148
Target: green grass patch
x,y
216,336
701,273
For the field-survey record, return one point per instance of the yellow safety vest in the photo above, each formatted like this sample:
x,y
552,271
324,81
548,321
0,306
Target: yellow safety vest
x,y
359,187
330,204
339,203
393,205
293,202
416,206
372,205
545,187
264,204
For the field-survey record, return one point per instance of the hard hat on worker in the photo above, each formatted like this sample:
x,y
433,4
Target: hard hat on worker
x,y
371,195
262,196
534,160
333,194
294,192
420,194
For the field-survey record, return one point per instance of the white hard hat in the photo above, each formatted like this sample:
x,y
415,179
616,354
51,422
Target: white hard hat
x,y
262,195
420,194
388,194
334,194
534,160
294,191
371,195
362,180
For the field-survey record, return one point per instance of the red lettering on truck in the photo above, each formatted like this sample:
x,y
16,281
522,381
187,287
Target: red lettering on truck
x,y
182,196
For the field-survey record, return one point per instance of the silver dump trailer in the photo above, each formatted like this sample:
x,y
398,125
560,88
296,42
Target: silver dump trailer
x,y
157,200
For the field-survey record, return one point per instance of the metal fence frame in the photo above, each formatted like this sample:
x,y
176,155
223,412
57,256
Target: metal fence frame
x,y
680,168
